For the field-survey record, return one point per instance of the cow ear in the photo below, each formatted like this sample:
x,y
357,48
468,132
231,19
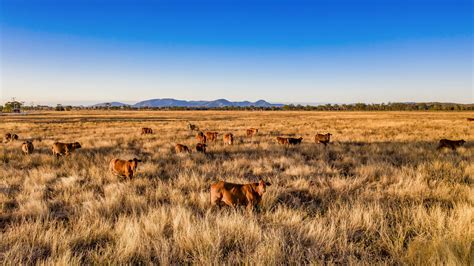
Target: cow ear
x,y
138,160
268,184
130,161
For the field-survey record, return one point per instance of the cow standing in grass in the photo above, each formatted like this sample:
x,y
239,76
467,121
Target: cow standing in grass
x,y
229,139
322,138
250,195
201,138
124,168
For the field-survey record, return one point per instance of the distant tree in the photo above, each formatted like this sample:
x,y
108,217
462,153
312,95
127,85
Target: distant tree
x,y
12,106
59,107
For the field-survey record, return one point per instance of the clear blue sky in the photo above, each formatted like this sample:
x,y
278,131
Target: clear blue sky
x,y
281,51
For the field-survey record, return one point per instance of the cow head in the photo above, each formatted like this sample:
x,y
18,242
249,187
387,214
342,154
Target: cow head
x,y
134,163
76,145
462,142
261,188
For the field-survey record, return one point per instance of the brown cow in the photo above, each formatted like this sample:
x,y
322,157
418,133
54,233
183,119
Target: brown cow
x,y
211,136
229,139
252,132
180,148
147,130
192,127
27,147
201,147
124,168
282,141
200,137
288,141
250,195
60,148
470,119
452,144
322,138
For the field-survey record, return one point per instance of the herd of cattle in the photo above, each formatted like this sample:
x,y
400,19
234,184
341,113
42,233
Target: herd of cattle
x,y
221,193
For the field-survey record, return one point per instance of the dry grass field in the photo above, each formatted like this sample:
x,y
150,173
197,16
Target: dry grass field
x,y
379,193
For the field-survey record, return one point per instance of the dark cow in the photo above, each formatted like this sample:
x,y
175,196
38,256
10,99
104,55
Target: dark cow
x,y
201,147
27,147
452,144
147,131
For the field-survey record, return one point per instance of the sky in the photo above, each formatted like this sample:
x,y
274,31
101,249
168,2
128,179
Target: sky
x,y
320,51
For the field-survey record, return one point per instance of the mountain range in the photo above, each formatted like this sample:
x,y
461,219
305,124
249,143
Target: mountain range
x,y
168,102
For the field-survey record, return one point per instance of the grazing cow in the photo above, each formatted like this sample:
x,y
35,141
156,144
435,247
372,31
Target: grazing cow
x,y
250,195
147,130
27,147
60,148
252,132
201,147
193,127
323,138
211,136
452,144
470,119
180,148
229,139
124,168
295,141
200,137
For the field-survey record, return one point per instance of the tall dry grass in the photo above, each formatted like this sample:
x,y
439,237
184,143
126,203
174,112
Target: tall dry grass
x,y
380,193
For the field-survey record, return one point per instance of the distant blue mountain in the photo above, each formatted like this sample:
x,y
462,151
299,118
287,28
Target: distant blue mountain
x,y
111,104
167,102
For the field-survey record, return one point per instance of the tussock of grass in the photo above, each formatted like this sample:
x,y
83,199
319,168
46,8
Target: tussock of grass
x,y
379,193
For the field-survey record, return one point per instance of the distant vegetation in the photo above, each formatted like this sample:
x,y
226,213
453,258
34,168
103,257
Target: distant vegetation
x,y
11,106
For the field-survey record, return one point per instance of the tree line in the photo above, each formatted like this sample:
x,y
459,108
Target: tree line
x,y
16,106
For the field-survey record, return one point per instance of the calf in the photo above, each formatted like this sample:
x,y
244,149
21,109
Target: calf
x,y
201,147
252,132
200,137
60,148
322,138
211,136
452,144
147,130
124,168
229,139
192,127
250,195
180,148
27,147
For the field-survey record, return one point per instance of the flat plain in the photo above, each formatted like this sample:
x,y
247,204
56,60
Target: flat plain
x,y
379,193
